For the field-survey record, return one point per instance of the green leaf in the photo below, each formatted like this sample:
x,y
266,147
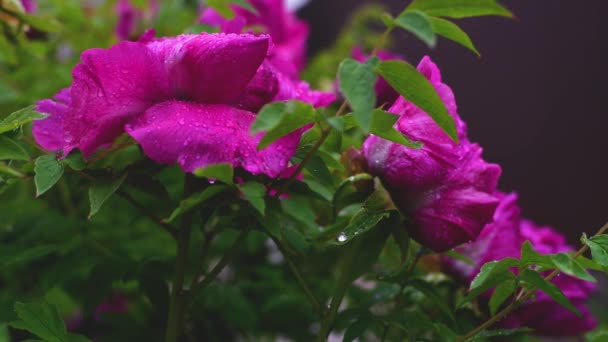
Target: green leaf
x,y
357,81
11,150
460,8
48,172
382,125
433,295
42,320
459,256
296,240
529,256
193,201
222,172
27,255
534,278
100,192
278,119
357,329
599,248
503,291
410,83
361,222
491,270
566,264
223,7
419,24
75,160
19,118
255,193
452,32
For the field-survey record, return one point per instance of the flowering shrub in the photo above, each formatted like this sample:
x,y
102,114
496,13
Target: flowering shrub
x,y
234,190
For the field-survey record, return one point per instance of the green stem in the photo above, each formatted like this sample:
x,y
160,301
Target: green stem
x,y
399,298
178,295
344,282
521,299
228,256
294,269
10,171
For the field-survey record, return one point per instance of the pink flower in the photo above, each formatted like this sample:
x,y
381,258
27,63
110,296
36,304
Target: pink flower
x,y
30,6
130,17
445,188
288,33
503,238
189,99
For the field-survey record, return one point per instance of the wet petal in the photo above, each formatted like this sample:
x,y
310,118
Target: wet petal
x,y
211,68
110,86
49,131
196,135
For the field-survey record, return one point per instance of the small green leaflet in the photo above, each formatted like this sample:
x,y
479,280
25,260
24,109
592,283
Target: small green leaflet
x,y
101,191
410,83
529,256
43,320
534,278
599,248
361,222
223,7
357,81
19,118
281,118
566,264
75,160
45,24
48,171
452,32
11,150
503,291
419,24
460,8
194,200
222,172
492,269
382,125
255,193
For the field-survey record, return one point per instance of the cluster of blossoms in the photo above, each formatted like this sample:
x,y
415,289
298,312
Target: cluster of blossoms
x,y
191,100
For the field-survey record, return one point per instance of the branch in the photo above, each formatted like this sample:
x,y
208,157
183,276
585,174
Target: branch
x,y
525,296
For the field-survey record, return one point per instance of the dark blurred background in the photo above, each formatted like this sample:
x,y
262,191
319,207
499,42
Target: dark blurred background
x,y
535,100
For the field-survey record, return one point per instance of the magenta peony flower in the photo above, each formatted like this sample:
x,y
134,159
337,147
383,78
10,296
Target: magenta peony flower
x,y
190,99
288,33
503,238
445,188
385,94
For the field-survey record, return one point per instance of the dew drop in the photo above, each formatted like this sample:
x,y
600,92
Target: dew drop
x,y
342,237
182,121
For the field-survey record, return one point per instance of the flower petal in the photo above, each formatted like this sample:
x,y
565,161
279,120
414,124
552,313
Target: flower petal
x,y
211,68
197,135
110,86
49,131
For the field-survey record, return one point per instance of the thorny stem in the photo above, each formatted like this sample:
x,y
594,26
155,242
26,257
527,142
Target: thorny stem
x,y
311,297
525,296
